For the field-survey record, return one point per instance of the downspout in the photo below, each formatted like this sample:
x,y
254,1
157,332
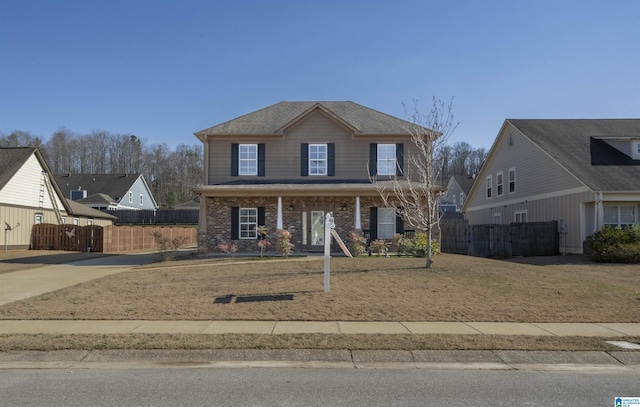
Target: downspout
x,y
597,212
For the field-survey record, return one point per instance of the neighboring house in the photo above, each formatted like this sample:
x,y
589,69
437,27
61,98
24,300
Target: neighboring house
x,y
28,196
582,173
287,165
457,191
107,191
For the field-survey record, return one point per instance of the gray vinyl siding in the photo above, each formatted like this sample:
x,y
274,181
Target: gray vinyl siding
x,y
543,188
282,154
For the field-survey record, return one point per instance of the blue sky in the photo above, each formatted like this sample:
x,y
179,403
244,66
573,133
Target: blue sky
x,y
162,70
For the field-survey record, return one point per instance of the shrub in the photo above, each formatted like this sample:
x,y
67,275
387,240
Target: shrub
x,y
230,249
615,245
283,242
417,246
357,244
378,246
167,247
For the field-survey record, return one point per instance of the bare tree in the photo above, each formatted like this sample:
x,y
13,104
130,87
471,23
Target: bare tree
x,y
413,193
19,138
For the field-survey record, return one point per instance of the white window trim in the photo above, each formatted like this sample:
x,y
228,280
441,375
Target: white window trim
x,y
322,162
130,197
499,184
386,211
497,218
251,233
511,171
519,213
254,168
141,199
76,221
390,163
618,221
38,219
461,198
489,187
635,149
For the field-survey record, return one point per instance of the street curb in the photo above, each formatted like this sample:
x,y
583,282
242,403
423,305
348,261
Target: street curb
x,y
596,361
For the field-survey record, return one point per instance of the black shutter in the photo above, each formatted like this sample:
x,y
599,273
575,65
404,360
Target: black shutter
x,y
304,159
373,222
399,221
399,159
261,162
373,159
331,159
235,223
234,159
261,216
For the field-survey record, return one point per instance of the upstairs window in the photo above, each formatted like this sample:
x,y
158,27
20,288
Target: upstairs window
x,y
499,183
141,199
317,159
248,159
512,180
386,159
461,198
489,186
130,197
635,149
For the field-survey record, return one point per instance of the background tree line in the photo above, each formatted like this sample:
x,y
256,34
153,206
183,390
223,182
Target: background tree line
x,y
172,174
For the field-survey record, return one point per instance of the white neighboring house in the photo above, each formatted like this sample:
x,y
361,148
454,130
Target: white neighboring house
x,y
108,191
583,173
29,196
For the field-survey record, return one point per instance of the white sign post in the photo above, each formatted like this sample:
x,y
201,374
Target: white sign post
x,y
329,230
329,224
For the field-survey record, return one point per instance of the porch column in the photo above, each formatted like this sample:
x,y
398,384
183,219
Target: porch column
x,y
279,221
358,223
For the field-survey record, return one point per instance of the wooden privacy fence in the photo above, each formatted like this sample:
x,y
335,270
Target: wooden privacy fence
x,y
107,239
72,238
155,217
499,241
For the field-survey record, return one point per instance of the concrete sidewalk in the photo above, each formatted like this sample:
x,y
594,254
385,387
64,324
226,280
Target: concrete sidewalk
x,y
315,327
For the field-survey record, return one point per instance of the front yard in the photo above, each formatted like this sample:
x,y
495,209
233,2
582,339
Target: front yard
x,y
457,288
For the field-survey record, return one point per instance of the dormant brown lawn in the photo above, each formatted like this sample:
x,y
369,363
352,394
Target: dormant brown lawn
x,y
457,288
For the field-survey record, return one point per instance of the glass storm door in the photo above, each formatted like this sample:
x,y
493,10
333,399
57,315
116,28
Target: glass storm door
x,y
316,235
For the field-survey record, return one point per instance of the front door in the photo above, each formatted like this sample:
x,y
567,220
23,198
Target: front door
x,y
313,227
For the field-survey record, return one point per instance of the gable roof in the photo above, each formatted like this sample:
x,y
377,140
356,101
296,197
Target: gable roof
x,y
11,159
569,143
83,210
275,119
115,186
465,182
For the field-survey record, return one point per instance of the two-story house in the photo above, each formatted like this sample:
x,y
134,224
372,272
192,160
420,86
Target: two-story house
x,y
582,173
287,165
108,191
29,196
